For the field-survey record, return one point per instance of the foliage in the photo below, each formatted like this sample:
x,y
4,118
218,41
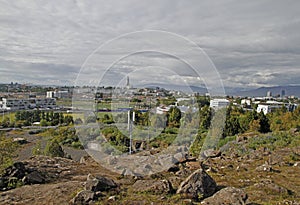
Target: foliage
x,y
7,150
53,149
174,116
27,117
37,149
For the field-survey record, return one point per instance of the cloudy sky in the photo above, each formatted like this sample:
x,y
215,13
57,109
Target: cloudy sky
x,y
251,43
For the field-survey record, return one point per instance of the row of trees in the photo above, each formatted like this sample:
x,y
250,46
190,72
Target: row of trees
x,y
27,118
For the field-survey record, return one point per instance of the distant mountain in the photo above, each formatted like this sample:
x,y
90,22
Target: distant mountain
x,y
183,88
261,92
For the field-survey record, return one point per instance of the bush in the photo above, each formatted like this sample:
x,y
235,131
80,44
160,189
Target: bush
x,y
53,149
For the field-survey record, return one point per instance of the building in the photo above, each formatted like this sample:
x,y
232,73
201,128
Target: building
x,y
219,103
58,94
269,94
246,102
30,103
271,106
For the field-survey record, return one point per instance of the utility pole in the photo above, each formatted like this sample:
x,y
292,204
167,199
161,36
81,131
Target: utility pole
x,y
130,122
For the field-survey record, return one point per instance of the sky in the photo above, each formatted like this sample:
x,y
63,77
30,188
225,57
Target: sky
x,y
250,44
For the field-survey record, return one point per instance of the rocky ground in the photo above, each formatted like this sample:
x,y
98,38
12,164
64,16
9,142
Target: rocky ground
x,y
225,176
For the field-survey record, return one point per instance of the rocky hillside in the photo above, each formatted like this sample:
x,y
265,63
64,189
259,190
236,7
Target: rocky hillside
x,y
234,174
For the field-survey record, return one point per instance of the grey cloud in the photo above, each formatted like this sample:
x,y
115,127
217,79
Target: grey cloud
x,y
252,43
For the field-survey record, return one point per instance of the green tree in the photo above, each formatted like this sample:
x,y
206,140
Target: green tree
x,y
205,118
264,123
174,116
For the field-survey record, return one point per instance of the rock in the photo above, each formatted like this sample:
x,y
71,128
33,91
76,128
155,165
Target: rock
x,y
210,153
83,197
198,183
112,198
34,178
175,181
294,130
193,165
16,170
84,159
112,160
264,168
187,202
241,138
183,172
128,172
3,183
174,169
99,183
20,140
180,157
227,196
153,186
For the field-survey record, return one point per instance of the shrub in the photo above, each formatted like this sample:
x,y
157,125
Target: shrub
x,y
53,149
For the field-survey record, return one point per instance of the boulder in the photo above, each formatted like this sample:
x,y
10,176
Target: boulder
x,y
264,168
16,170
227,196
210,153
152,186
99,183
198,184
3,183
83,197
34,178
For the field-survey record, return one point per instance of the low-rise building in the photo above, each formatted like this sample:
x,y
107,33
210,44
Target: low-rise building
x,y
270,106
219,103
30,103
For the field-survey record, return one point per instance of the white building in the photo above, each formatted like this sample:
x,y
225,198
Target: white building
x,y
58,94
271,106
219,103
246,102
30,103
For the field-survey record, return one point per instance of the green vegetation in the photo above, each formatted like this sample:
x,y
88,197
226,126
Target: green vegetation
x,y
27,118
53,149
7,150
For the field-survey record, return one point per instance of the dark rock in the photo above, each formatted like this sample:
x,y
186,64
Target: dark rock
x,y
152,186
3,183
198,184
16,170
227,196
99,183
34,178
83,198
174,168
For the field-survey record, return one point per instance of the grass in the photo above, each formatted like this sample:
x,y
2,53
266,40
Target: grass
x,y
9,115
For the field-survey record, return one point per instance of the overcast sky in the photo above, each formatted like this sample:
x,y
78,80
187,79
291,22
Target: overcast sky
x,y
251,43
